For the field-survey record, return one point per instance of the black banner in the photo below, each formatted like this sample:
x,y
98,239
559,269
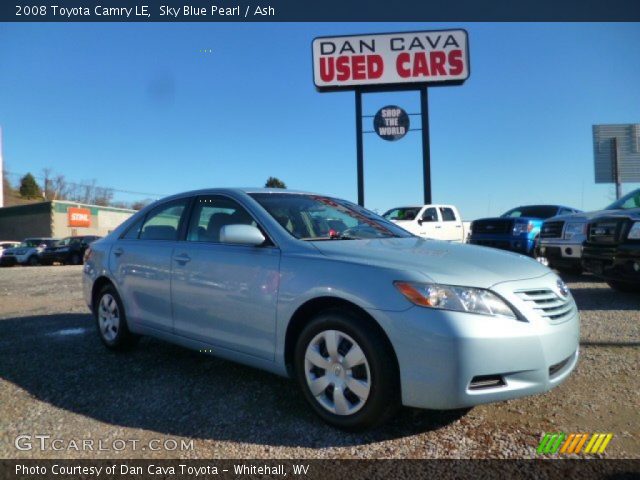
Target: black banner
x,y
325,10
122,469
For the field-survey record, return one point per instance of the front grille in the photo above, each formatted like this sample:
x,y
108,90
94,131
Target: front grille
x,y
606,231
493,243
551,229
549,304
492,226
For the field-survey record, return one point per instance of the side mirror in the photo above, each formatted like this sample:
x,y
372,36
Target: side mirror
x,y
420,221
242,235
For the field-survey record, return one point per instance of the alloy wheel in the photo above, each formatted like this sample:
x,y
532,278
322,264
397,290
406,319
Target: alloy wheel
x,y
108,317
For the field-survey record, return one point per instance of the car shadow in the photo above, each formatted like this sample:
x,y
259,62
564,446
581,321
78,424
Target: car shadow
x,y
160,387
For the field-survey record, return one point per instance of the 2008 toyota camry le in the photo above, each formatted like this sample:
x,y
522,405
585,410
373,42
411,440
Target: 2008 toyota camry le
x,y
365,315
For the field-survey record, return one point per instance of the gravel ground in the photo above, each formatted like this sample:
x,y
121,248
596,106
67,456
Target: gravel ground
x,y
57,379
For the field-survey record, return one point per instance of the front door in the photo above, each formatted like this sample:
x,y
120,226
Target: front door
x,y
225,294
431,225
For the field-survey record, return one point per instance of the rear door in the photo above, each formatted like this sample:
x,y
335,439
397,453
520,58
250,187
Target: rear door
x,y
224,294
140,262
451,225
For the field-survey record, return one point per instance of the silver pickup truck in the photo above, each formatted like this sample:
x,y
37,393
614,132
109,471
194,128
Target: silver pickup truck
x,y
561,237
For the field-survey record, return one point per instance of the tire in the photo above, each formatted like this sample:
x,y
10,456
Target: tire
x,y
33,261
111,320
624,287
375,377
75,259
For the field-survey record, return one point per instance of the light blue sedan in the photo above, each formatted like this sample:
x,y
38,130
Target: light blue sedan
x,y
366,316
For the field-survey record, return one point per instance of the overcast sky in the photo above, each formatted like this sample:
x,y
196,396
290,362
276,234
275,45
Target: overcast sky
x,y
142,107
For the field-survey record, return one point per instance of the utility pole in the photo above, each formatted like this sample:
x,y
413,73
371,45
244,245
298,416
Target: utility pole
x,y
1,173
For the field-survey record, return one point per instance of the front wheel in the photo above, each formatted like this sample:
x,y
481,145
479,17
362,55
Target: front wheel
x,y
33,261
347,371
112,321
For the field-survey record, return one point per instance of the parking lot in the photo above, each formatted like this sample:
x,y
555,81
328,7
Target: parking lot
x,y
57,379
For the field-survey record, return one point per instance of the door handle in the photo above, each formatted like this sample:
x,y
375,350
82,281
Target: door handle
x,y
182,258
118,251
438,226
458,226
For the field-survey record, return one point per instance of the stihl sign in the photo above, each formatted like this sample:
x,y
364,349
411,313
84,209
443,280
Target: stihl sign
x,y
391,59
79,217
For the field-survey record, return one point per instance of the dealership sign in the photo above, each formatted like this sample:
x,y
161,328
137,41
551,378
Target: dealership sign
x,y
429,58
79,217
391,123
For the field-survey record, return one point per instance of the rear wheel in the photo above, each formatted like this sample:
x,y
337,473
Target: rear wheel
x,y
347,371
75,259
112,321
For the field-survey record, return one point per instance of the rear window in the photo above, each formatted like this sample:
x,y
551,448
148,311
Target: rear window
x,y
533,211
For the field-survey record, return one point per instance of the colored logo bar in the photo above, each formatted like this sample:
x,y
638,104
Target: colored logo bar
x,y
553,443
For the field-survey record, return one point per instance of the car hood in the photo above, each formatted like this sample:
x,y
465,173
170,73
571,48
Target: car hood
x,y
442,262
587,216
18,250
514,219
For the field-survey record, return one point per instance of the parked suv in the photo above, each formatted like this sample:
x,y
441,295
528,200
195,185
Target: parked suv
x,y
517,230
441,222
612,250
27,252
69,250
561,237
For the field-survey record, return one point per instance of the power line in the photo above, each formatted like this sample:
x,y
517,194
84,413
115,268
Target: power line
x,y
77,184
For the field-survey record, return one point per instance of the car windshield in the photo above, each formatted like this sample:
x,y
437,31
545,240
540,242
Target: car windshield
x,y
314,217
629,201
404,213
31,242
533,211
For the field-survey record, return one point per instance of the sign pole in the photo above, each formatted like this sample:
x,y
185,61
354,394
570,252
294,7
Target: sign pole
x,y
359,150
426,148
616,168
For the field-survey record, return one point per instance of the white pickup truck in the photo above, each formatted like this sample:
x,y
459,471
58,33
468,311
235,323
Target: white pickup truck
x,y
440,222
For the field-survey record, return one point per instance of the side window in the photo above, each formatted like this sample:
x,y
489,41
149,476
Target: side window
x,y
430,215
163,222
134,230
212,213
447,214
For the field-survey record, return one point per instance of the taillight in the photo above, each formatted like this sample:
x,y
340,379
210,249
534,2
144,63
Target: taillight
x,y
87,254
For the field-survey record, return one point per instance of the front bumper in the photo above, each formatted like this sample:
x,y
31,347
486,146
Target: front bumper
x,y
618,263
441,353
561,253
520,244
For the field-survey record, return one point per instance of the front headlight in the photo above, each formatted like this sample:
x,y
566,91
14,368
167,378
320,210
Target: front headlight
x,y
520,228
573,229
460,299
634,233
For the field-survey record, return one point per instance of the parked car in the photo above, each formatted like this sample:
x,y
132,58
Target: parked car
x,y
562,237
516,230
26,253
69,250
365,320
6,244
612,250
441,222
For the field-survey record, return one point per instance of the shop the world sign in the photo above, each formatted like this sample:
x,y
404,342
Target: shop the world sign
x,y
350,62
